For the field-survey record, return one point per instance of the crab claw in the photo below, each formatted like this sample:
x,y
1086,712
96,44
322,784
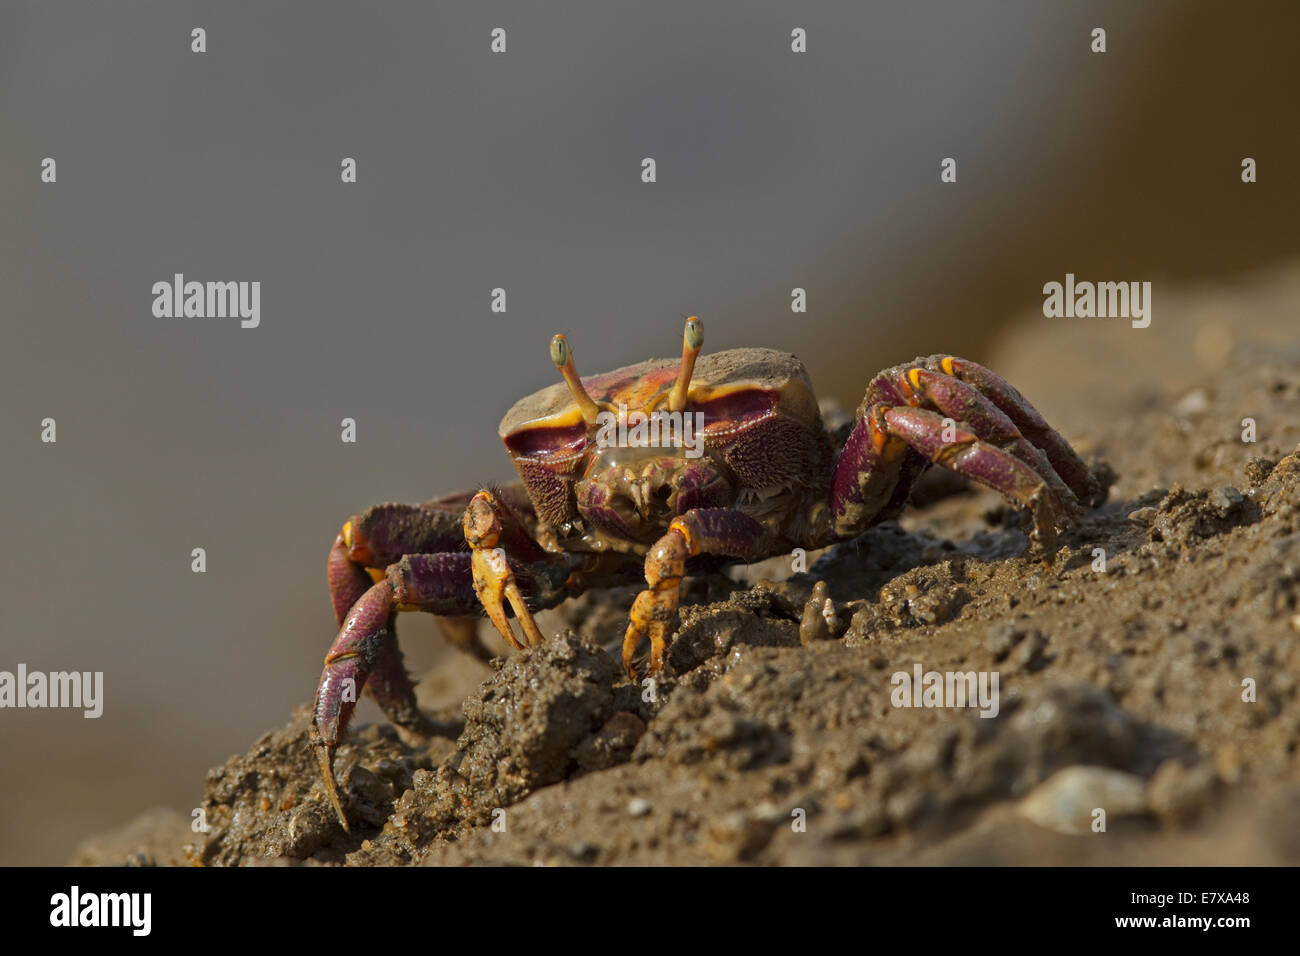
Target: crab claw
x,y
655,607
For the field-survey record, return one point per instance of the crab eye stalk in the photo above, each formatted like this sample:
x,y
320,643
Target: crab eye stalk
x,y
559,351
562,356
692,342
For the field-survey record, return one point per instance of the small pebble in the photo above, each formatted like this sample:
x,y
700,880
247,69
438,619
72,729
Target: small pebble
x,y
638,806
1225,500
1066,801
1143,516
1195,402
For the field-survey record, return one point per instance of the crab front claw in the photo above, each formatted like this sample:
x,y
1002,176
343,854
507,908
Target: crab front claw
x,y
494,581
365,655
718,531
654,609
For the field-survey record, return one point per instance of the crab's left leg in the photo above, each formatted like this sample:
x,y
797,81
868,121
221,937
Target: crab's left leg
x,y
718,531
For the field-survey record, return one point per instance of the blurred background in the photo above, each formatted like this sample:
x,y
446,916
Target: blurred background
x,y
521,171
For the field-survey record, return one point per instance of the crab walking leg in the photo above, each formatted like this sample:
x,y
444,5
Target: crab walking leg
x,y
348,580
718,531
965,404
379,536
356,652
1030,421
965,454
486,521
365,654
871,472
383,533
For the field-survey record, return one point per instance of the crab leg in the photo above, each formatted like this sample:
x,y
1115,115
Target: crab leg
x,y
981,417
719,531
383,533
967,455
1029,421
348,579
365,641
867,476
365,653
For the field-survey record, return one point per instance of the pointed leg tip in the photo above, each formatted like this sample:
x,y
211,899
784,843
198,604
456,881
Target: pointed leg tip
x,y
629,663
325,758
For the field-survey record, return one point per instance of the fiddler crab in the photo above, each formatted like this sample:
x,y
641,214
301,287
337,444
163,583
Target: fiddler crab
x,y
748,470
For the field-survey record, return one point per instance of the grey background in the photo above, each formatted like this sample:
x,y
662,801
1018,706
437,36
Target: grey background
x,y
522,171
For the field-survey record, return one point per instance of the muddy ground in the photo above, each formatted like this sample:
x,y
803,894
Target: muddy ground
x,y
1162,689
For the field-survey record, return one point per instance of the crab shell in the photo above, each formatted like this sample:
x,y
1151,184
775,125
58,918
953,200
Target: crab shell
x,y
760,420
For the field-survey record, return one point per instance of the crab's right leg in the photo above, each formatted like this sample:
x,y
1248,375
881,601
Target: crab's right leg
x,y
374,539
365,653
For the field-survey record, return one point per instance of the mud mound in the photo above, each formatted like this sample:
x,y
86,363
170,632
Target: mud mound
x,y
1148,670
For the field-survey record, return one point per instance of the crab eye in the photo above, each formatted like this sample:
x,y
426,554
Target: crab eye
x,y
694,333
559,351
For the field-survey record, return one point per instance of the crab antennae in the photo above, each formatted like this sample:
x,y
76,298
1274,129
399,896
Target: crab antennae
x,y
562,356
692,342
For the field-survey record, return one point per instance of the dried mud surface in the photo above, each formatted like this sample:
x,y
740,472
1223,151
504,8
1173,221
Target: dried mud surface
x,y
772,738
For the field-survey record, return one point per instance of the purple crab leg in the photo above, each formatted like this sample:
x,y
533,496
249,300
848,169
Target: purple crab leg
x,y
969,408
866,476
365,638
383,533
365,655
347,579
987,464
1029,421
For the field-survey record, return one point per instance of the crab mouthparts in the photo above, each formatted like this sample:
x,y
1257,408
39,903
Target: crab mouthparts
x,y
652,496
641,498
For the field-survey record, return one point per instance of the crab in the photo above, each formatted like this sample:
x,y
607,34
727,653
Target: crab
x,y
725,459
